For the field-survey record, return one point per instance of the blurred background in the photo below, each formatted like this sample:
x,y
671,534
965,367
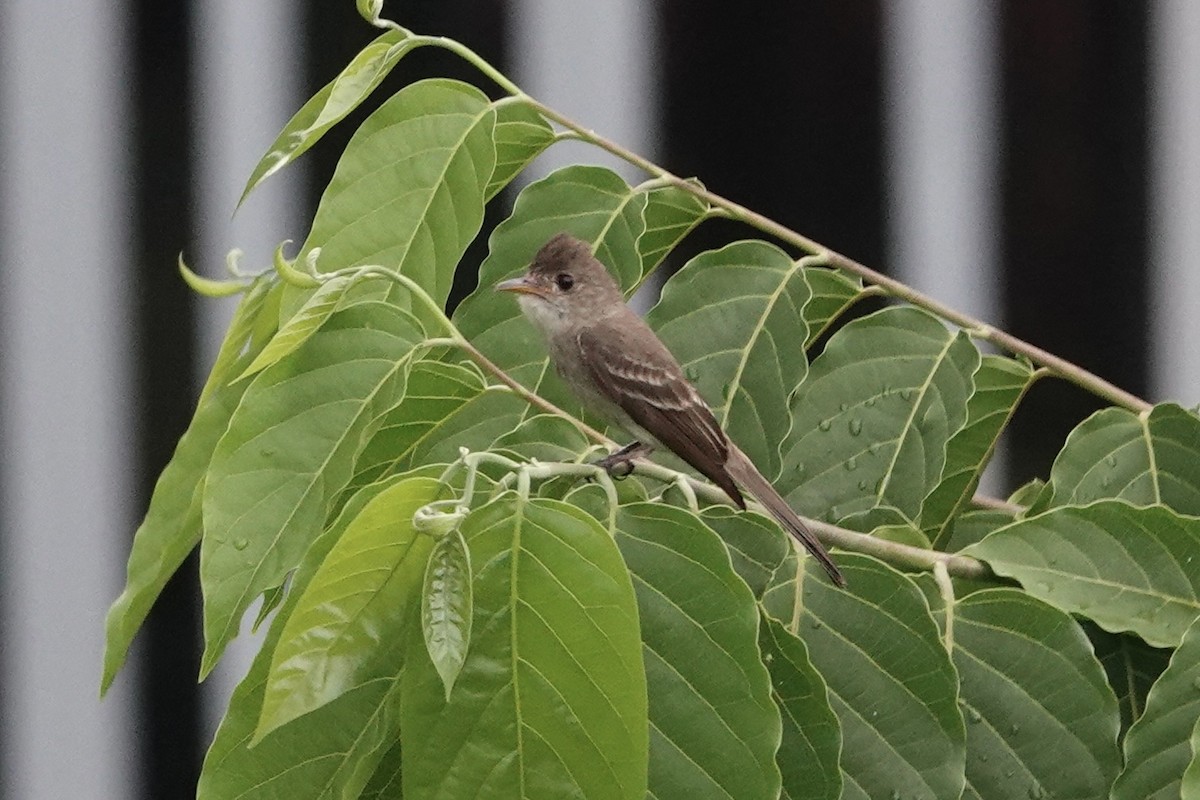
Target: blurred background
x,y
1034,163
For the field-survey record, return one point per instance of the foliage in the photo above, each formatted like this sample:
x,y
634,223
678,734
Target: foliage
x,y
457,613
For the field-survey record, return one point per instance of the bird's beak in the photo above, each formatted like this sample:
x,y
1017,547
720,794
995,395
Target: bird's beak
x,y
521,285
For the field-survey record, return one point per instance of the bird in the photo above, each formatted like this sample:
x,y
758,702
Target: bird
x,y
618,368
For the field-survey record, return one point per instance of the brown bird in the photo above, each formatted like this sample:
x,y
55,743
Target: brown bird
x,y
621,370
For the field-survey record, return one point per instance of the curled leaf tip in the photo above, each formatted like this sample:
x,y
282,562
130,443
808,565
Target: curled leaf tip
x,y
290,274
233,262
209,287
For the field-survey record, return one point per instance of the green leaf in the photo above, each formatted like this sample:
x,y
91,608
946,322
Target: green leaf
x,y
360,600
312,315
1041,719
289,449
475,425
871,422
332,103
545,437
999,385
758,549
1126,568
329,754
252,325
1158,748
1143,458
714,729
812,741
329,106
1189,789
446,607
972,526
747,298
408,192
435,390
385,783
1132,667
593,204
831,293
170,530
521,134
670,214
890,682
551,701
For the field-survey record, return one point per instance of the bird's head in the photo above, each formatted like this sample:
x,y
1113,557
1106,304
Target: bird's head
x,y
565,282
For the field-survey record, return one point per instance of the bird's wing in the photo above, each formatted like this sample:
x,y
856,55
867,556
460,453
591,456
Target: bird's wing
x,y
649,386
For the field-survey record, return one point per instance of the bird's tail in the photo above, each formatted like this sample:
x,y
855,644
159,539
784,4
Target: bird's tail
x,y
742,470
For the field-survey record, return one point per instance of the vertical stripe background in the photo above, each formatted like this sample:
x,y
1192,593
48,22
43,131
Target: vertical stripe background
x,y
1036,164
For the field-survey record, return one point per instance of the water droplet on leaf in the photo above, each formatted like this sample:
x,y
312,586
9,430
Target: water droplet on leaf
x,y
825,424
851,464
240,544
974,716
855,427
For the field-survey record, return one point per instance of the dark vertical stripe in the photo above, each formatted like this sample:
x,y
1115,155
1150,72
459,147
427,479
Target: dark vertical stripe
x,y
1074,203
778,106
168,703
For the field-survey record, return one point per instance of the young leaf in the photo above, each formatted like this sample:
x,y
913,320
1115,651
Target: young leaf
x,y
329,754
890,682
551,701
1158,747
408,192
1041,720
288,451
170,530
333,102
252,326
521,133
592,203
311,316
1143,458
1000,383
748,299
446,607
812,741
362,597
1126,568
714,727
871,422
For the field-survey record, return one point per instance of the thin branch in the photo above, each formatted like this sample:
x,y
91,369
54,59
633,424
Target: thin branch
x,y
901,555
1059,366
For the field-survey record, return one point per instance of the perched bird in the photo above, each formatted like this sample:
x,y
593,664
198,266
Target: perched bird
x,y
621,370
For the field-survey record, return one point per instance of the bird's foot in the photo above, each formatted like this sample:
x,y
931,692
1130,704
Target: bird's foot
x,y
619,464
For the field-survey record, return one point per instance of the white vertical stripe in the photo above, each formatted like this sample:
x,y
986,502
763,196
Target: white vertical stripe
x,y
595,63
1175,199
247,72
66,492
942,143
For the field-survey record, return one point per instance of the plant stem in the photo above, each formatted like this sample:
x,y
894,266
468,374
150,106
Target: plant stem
x,y
977,328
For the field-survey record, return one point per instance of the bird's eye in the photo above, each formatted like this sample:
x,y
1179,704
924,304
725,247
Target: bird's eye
x,y
564,281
